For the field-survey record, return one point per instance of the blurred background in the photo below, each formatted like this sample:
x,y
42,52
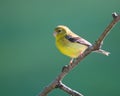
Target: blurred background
x,y
29,59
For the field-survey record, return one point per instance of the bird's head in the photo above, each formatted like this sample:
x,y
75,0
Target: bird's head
x,y
60,31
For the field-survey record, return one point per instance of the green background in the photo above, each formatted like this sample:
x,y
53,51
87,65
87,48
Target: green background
x,y
29,59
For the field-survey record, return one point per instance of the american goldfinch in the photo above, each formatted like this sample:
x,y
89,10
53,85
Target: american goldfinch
x,y
71,44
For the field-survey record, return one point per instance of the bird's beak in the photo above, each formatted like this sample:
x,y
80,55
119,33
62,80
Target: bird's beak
x,y
54,34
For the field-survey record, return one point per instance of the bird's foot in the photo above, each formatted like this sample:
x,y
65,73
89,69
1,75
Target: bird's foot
x,y
71,61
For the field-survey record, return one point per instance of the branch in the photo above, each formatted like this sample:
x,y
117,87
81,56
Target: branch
x,y
57,83
116,18
69,90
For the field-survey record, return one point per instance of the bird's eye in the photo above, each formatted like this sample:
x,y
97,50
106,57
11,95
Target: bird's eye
x,y
59,30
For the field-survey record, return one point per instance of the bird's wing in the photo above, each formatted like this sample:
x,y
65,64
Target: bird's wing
x,y
77,40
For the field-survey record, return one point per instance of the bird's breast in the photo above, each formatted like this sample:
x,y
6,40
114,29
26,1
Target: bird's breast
x,y
71,49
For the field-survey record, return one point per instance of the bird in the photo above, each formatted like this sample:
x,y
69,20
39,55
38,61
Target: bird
x,y
71,44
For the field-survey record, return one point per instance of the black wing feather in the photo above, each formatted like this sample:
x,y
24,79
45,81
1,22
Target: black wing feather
x,y
78,40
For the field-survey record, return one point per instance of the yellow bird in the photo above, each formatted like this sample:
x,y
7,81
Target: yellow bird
x,y
71,44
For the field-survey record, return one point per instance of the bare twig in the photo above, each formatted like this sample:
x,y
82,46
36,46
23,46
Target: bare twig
x,y
116,18
57,83
69,90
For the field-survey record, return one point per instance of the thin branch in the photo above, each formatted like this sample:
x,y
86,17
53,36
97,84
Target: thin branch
x,y
69,90
116,18
57,83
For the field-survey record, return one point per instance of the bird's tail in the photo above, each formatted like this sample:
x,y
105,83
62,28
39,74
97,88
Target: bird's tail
x,y
103,52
